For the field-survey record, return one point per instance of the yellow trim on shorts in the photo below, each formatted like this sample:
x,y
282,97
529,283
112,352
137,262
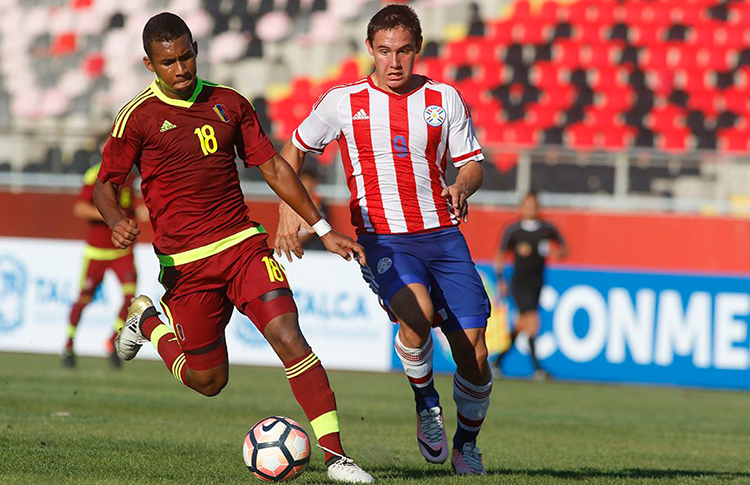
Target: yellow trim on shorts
x,y
101,254
209,249
84,272
325,424
128,288
167,312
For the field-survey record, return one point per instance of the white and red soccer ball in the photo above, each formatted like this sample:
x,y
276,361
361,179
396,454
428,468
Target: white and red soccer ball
x,y
276,449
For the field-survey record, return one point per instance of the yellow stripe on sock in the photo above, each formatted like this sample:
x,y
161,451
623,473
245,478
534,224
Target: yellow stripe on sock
x,y
160,331
304,369
71,331
177,366
119,322
301,367
325,424
301,363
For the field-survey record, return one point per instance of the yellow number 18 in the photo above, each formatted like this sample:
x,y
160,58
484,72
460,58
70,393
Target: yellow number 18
x,y
275,270
207,138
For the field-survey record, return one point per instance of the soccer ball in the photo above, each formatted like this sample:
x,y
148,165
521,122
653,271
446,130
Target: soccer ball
x,y
276,449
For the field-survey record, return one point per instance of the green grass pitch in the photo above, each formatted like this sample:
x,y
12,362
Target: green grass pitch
x,y
138,426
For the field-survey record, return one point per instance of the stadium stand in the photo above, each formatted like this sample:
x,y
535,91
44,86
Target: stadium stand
x,y
668,78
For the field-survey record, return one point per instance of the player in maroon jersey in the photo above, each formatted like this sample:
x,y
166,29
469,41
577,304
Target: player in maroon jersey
x,y
99,256
182,132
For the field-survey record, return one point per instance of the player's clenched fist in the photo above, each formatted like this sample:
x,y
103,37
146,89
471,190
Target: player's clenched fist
x,y
344,246
124,233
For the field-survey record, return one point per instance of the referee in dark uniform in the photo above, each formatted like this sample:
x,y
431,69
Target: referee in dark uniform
x,y
530,241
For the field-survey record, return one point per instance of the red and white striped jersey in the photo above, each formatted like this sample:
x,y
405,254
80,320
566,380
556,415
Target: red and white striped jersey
x,y
394,148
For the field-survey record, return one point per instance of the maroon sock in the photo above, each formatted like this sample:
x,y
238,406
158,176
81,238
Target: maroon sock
x,y
311,388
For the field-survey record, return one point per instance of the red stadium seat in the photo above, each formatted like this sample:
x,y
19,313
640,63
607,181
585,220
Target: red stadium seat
x,y
456,52
590,33
666,117
546,75
522,11
549,12
734,141
542,116
616,137
500,32
486,113
674,141
567,52
581,136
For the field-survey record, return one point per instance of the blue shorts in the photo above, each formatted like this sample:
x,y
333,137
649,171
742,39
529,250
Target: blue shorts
x,y
439,260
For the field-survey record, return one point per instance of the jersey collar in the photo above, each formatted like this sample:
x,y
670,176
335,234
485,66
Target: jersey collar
x,y
396,95
177,102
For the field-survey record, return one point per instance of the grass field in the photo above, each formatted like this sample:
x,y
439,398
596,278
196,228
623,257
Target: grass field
x,y
95,425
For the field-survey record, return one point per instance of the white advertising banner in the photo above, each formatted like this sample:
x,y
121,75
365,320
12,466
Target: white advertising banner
x,y
39,281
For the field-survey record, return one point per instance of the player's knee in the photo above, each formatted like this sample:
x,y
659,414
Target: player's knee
x,y
283,332
210,384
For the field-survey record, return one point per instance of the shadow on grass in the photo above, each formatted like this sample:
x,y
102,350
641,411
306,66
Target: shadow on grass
x,y
636,473
582,474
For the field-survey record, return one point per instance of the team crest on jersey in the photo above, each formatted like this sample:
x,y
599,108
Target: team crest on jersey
x,y
384,265
221,112
179,331
434,115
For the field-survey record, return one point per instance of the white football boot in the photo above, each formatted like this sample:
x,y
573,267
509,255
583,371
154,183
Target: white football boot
x,y
433,443
468,460
130,338
345,470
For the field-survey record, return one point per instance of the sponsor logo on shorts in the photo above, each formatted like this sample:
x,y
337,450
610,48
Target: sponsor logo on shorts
x,y
384,265
180,331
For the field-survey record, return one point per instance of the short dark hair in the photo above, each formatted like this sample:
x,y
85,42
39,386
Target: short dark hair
x,y
163,27
392,16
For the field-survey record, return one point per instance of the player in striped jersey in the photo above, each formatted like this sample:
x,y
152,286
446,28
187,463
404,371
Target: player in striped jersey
x,y
184,134
396,131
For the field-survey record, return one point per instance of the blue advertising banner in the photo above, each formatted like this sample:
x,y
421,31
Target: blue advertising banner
x,y
628,326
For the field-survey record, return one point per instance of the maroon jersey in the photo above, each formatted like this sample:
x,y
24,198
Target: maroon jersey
x,y
99,235
185,151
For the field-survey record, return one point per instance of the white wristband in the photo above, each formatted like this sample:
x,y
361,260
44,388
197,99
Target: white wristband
x,y
322,227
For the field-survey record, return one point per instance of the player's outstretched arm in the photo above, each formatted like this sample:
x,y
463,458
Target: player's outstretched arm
x,y
290,223
124,230
283,180
470,177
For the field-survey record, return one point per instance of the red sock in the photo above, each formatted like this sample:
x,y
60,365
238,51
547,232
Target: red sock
x,y
75,317
165,343
310,386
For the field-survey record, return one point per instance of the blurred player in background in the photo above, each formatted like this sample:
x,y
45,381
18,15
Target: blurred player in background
x,y
310,178
99,256
395,130
530,241
183,134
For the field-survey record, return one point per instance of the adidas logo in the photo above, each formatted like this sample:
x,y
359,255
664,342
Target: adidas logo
x,y
361,115
166,126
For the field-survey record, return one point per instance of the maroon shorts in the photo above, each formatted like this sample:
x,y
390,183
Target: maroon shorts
x,y
200,297
93,271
